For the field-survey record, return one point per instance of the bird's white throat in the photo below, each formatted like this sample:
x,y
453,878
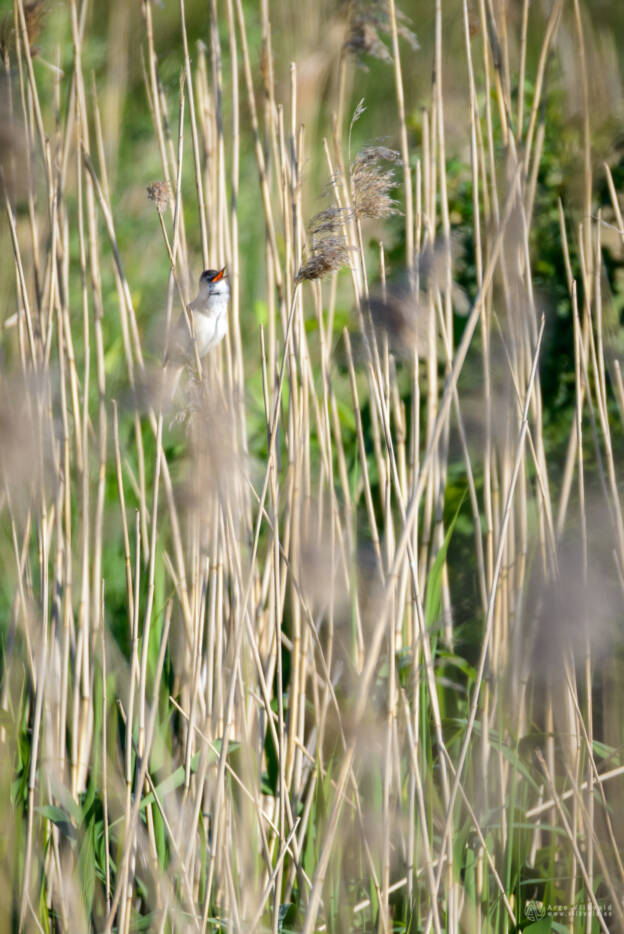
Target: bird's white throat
x,y
210,323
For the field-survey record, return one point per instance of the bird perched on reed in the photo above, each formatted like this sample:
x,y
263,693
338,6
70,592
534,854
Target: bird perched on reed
x,y
207,315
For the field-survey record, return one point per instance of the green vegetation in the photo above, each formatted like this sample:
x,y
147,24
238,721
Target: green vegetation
x,y
330,638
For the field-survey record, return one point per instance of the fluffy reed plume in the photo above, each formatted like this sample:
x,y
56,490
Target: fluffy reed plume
x,y
402,310
371,182
578,611
159,193
151,389
365,20
215,464
321,575
34,16
363,35
26,442
5,40
329,250
12,145
435,261
403,316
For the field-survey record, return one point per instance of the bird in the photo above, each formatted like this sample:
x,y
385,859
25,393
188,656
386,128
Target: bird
x,y
208,316
208,312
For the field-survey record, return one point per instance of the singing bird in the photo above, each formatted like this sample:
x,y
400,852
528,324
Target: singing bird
x,y
208,314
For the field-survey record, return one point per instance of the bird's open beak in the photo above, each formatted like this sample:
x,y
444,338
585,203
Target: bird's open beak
x,y
220,275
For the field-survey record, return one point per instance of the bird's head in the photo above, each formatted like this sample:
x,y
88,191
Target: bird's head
x,y
214,282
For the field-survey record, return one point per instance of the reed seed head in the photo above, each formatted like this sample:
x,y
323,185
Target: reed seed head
x,y
13,147
363,39
402,315
371,182
329,250
34,14
365,20
160,194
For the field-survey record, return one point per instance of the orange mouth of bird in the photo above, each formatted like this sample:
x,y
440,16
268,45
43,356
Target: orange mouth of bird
x,y
220,274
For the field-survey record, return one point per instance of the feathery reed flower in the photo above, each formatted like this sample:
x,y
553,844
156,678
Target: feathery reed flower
x,y
371,183
402,310
329,250
363,38
215,464
13,160
27,463
34,16
365,20
403,316
160,194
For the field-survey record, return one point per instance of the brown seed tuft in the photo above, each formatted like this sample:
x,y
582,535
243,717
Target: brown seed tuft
x,y
402,311
329,251
34,14
403,316
328,255
13,150
371,182
160,194
363,39
216,466
365,20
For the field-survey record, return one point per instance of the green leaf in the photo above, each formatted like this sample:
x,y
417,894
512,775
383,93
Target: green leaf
x,y
176,778
113,355
469,874
282,915
53,813
602,750
271,776
43,906
145,922
159,834
543,926
86,865
171,783
346,416
60,818
71,807
309,845
433,597
89,797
